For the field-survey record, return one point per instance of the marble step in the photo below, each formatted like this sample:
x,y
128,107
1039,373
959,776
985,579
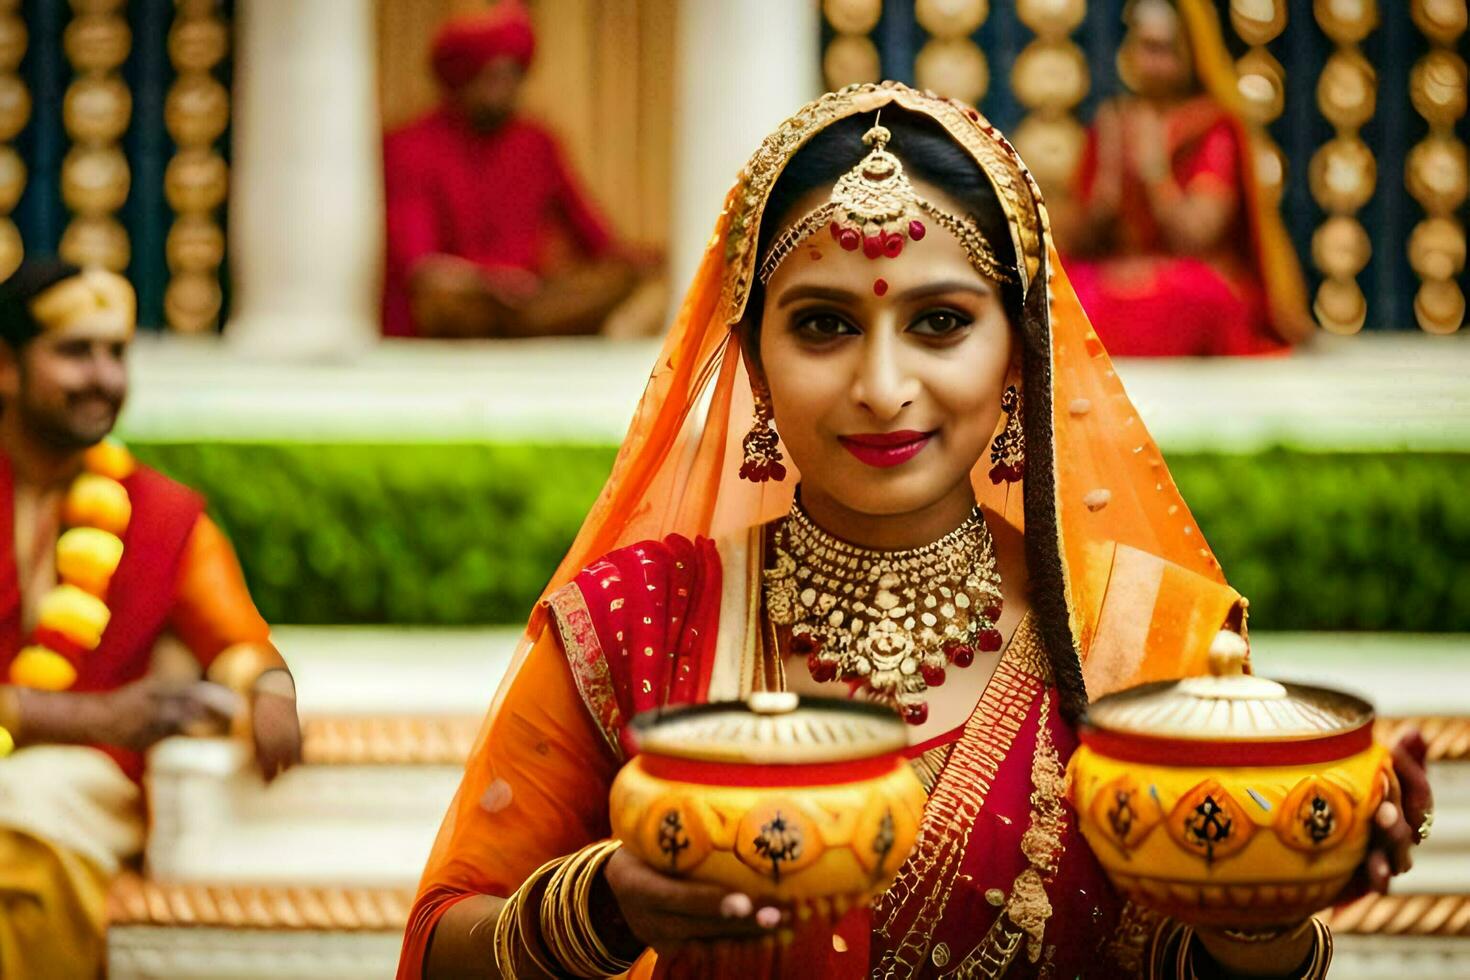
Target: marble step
x,y
302,933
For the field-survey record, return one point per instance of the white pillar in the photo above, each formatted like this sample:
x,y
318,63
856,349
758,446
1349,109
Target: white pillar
x,y
743,68
306,205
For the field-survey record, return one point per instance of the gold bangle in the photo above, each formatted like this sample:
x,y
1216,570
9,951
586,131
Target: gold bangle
x,y
567,929
1315,969
511,938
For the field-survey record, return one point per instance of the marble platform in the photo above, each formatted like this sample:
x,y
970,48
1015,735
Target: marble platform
x,y
312,876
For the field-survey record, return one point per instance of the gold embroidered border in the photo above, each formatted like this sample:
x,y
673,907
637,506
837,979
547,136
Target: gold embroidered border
x,y
996,157
928,876
587,661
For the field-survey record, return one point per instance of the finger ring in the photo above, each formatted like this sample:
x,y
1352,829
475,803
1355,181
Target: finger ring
x,y
1422,834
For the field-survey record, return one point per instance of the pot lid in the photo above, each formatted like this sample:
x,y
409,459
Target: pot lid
x,y
1229,704
772,728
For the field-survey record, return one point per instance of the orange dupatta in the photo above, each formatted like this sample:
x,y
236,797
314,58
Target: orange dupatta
x,y
1125,588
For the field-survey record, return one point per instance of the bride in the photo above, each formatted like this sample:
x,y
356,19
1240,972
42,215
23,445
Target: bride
x,y
882,455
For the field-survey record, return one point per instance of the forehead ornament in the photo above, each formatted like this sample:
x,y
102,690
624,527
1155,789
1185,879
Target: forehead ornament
x,y
874,207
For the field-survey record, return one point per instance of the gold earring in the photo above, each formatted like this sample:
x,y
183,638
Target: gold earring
x,y
762,445
1008,451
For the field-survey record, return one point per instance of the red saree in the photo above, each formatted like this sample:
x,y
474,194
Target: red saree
x,y
1144,301
658,602
1245,295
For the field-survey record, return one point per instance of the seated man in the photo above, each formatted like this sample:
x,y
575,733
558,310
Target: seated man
x,y
479,200
99,557
1174,250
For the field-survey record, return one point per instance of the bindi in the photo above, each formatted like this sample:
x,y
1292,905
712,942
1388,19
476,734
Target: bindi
x,y
880,286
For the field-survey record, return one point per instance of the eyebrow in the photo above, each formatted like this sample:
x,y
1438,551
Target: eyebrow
x,y
835,295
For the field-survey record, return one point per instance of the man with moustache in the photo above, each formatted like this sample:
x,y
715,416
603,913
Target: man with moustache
x,y
100,557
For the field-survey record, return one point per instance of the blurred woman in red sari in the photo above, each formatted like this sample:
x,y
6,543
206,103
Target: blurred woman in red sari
x,y
880,383
1171,245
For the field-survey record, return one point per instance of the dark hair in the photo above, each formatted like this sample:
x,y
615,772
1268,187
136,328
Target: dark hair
x,y
927,152
34,276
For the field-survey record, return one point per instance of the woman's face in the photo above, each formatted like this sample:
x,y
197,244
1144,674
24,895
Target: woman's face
x,y
885,374
1159,64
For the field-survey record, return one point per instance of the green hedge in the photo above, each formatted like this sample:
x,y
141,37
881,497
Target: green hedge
x,y
467,534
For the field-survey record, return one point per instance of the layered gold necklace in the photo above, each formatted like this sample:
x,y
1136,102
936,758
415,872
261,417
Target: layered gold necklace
x,y
889,622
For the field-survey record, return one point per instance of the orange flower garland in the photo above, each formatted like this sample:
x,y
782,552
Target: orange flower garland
x,y
74,615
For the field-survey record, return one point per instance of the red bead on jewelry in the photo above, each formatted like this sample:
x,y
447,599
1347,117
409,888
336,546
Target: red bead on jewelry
x,y
960,654
992,612
989,640
872,246
933,676
915,713
821,670
917,231
849,239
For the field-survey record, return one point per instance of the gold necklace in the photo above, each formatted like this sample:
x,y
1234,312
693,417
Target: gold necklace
x,y
888,621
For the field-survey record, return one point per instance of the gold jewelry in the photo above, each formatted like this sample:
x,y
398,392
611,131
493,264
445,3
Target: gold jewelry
x,y
567,930
762,444
1251,936
1425,826
515,930
1008,451
875,207
1315,968
888,621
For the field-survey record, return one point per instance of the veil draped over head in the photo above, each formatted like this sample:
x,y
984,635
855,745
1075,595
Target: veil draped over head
x,y
1276,261
1098,506
1123,586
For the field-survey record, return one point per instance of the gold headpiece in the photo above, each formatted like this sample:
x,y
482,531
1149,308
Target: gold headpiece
x,y
93,298
874,207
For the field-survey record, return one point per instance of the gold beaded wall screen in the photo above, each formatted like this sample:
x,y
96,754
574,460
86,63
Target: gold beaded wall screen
x,y
1358,109
113,115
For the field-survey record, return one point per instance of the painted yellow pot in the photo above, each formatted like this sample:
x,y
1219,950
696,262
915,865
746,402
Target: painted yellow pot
x,y
785,799
1229,800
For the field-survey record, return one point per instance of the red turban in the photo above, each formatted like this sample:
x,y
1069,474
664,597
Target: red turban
x,y
466,44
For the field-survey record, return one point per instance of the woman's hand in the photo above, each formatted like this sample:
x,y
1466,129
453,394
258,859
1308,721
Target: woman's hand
x,y
1107,188
1400,818
665,912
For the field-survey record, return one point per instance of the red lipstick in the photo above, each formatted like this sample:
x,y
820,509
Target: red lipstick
x,y
885,449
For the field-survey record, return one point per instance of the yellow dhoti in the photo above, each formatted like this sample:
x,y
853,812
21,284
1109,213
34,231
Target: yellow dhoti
x,y
68,817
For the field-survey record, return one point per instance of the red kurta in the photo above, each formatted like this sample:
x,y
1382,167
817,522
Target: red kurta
x,y
177,573
500,199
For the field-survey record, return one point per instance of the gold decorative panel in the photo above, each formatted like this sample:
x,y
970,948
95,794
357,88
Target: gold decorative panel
x,y
851,56
1050,77
1342,173
15,112
95,176
1436,172
196,113
950,63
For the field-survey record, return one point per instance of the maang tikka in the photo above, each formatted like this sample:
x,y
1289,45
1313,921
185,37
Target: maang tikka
x,y
762,445
1008,451
874,207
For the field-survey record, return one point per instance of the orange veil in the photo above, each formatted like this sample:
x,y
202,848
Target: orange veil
x,y
1096,484
1124,587
1277,264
